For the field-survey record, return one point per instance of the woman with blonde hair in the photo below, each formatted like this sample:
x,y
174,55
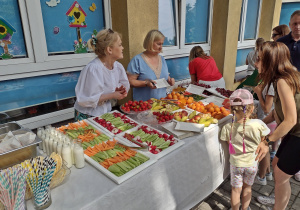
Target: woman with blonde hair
x,y
275,68
203,69
103,79
148,66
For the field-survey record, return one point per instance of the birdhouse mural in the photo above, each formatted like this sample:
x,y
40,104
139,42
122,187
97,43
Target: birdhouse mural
x,y
76,18
6,32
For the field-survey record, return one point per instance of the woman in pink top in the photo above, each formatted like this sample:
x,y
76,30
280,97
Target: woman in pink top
x,y
203,69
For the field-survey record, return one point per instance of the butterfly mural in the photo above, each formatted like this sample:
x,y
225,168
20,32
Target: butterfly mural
x,y
93,7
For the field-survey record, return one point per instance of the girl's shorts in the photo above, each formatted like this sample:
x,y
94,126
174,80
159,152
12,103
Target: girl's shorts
x,y
240,175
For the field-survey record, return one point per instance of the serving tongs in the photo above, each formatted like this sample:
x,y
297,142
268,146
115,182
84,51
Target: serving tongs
x,y
142,147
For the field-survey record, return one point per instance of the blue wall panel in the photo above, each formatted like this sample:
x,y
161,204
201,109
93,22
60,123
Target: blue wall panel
x,y
18,93
286,10
179,68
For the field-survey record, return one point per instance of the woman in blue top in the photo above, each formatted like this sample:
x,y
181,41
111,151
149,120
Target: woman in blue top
x,y
148,66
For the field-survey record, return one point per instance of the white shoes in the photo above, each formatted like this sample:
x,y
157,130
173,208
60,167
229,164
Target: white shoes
x,y
263,181
270,177
266,200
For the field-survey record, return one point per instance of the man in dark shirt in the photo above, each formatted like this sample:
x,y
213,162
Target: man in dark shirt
x,y
292,40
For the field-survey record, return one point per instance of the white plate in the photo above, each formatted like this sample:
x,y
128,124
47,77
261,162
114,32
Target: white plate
x,y
161,83
126,176
94,123
159,155
189,112
195,89
194,127
213,91
216,100
170,129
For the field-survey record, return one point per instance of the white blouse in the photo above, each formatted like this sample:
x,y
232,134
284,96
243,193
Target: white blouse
x,y
94,80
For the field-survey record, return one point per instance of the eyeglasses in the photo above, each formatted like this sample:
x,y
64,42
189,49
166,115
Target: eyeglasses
x,y
273,35
110,31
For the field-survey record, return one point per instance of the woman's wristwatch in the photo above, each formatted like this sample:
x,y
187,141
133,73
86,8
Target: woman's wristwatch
x,y
268,141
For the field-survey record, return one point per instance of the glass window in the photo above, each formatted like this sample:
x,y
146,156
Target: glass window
x,y
196,22
287,10
60,36
166,21
251,19
242,56
11,31
178,68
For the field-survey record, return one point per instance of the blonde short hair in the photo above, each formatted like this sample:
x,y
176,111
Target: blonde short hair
x,y
104,38
152,36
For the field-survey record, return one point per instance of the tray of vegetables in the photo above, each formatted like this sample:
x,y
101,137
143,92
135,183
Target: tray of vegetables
x,y
116,161
113,122
160,143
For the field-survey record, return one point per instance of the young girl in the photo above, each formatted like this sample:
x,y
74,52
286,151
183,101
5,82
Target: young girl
x,y
243,136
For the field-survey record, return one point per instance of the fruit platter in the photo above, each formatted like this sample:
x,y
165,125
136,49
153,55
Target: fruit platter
x,y
117,161
165,105
221,92
84,131
159,142
113,122
132,107
209,108
163,117
195,117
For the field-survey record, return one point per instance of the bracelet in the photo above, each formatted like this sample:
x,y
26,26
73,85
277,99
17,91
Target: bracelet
x,y
146,82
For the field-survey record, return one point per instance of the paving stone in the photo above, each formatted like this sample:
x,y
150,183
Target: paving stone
x,y
271,183
203,206
296,204
292,180
256,187
295,189
227,186
291,201
223,200
266,190
220,207
263,207
254,207
222,193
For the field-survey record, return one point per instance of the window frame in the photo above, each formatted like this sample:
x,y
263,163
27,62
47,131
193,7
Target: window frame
x,y
39,62
245,44
181,49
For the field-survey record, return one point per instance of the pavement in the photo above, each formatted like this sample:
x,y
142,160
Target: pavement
x,y
220,198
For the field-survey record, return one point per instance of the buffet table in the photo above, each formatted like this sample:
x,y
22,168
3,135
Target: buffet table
x,y
179,180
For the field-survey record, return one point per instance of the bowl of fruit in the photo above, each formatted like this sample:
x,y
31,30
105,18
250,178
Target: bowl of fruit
x,y
133,107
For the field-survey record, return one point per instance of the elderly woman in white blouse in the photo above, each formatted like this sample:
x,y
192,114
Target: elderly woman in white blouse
x,y
103,78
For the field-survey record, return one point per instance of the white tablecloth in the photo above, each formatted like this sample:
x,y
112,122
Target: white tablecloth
x,y
179,180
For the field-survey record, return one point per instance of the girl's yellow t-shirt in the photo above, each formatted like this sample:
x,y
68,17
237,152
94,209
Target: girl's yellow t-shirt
x,y
255,129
